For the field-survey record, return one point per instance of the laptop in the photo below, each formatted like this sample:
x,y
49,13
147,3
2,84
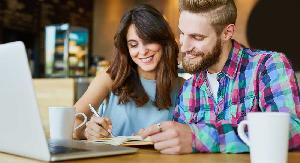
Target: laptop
x,y
20,123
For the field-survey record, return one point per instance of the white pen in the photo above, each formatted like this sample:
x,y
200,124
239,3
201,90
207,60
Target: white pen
x,y
93,110
97,115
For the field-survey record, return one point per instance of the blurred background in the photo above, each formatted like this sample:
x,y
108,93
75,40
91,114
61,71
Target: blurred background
x,y
74,38
69,41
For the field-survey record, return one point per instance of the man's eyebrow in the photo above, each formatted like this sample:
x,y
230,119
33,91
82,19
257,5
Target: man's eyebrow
x,y
197,34
193,34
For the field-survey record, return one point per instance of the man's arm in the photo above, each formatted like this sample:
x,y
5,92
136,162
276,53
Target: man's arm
x,y
206,137
278,91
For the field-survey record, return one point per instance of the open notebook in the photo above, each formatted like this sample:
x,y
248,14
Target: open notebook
x,y
124,140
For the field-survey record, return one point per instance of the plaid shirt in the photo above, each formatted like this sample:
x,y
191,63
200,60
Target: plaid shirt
x,y
251,81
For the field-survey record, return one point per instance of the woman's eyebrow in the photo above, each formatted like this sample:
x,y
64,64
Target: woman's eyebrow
x,y
131,40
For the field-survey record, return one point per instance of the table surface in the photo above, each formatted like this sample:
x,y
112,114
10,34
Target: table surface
x,y
148,154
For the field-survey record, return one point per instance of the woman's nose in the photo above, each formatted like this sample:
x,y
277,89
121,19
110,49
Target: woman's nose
x,y
144,50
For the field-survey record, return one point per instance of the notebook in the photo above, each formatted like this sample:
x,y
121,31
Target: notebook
x,y
124,141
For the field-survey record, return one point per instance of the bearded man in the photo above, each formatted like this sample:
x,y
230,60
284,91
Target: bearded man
x,y
228,82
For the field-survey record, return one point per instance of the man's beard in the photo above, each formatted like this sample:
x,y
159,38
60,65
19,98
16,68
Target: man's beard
x,y
207,60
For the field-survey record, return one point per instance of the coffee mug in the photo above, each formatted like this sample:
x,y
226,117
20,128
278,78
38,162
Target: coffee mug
x,y
268,134
61,122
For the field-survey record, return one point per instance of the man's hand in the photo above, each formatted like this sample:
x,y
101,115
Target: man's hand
x,y
170,137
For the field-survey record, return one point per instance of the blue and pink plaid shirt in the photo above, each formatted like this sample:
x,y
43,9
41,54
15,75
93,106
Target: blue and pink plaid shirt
x,y
251,81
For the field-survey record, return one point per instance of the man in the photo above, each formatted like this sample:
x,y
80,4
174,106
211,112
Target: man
x,y
228,81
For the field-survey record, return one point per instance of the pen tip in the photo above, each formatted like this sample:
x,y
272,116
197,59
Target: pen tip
x,y
90,105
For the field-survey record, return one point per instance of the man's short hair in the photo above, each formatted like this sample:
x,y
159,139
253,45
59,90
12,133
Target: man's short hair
x,y
220,12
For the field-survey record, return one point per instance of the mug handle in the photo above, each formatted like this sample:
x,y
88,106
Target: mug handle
x,y
84,121
241,132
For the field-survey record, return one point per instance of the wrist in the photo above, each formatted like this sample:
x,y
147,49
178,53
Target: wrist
x,y
79,134
193,136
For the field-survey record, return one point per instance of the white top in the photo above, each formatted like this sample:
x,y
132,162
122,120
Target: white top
x,y
214,84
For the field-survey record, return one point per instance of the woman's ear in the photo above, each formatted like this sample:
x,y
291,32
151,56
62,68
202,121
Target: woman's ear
x,y
228,32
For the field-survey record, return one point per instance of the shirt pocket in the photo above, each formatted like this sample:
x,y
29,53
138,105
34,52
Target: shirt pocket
x,y
239,109
194,117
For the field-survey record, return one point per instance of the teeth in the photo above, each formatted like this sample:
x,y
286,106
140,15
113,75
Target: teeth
x,y
145,60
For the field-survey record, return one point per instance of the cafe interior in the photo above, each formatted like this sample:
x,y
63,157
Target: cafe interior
x,y
69,41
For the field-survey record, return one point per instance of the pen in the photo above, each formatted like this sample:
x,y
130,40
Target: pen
x,y
93,110
97,115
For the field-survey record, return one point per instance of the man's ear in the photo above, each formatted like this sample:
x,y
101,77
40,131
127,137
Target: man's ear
x,y
228,32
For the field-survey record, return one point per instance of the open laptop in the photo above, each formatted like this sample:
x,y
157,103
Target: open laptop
x,y
20,124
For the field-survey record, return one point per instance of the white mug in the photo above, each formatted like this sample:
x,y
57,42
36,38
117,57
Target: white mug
x,y
268,134
61,122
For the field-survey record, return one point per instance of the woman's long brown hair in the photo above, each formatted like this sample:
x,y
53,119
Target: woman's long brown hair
x,y
151,27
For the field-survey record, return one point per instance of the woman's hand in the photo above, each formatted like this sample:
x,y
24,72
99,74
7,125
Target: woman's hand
x,y
98,127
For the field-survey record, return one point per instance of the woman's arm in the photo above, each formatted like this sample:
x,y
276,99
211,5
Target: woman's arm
x,y
97,91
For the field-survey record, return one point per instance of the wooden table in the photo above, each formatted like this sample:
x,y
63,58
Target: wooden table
x,y
148,155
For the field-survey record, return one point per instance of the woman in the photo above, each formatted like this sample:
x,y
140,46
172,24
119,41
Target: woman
x,y
141,84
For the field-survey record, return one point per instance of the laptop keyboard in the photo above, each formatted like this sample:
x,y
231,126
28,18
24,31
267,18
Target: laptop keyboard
x,y
55,149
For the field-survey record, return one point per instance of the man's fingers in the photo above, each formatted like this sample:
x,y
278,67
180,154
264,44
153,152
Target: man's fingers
x,y
165,135
169,143
172,151
168,124
157,128
153,129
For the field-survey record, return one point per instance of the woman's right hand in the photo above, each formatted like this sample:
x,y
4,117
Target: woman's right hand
x,y
98,127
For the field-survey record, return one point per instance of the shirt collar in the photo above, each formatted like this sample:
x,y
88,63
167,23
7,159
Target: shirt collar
x,y
231,66
229,69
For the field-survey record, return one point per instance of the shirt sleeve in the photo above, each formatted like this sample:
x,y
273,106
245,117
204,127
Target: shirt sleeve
x,y
279,91
204,136
207,137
